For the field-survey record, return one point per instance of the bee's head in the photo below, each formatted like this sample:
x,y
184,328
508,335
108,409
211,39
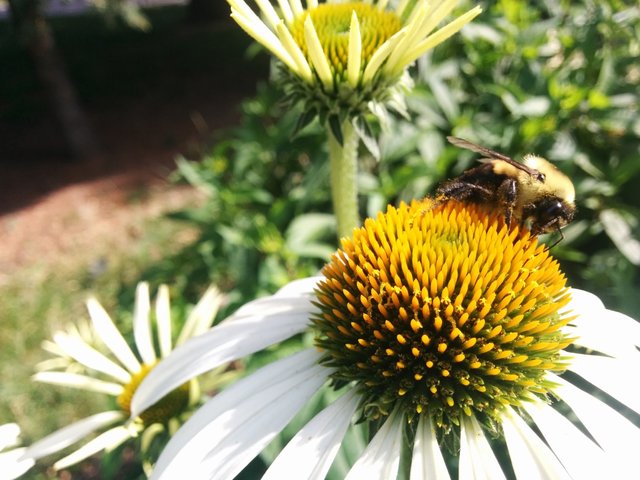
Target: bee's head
x,y
550,214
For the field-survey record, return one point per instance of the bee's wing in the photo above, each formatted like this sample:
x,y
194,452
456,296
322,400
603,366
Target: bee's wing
x,y
493,155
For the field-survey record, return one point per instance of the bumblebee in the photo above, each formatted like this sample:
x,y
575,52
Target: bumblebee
x,y
532,193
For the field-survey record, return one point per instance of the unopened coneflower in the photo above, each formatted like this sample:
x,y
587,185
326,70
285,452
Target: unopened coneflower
x,y
344,61
446,331
96,357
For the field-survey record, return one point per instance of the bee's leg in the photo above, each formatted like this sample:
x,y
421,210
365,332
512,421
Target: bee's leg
x,y
462,191
507,192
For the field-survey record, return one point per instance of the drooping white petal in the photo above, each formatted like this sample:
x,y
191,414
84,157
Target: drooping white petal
x,y
105,441
381,54
142,324
245,332
293,49
296,6
111,336
427,460
229,430
578,454
436,38
381,458
618,378
285,8
89,357
313,449
9,434
316,53
602,330
254,27
477,461
354,61
163,320
616,435
269,13
13,464
531,458
72,433
202,315
301,287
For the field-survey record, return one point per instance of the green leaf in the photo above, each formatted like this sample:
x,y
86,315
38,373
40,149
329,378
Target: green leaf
x,y
336,128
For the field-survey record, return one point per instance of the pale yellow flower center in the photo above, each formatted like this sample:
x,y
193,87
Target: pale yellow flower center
x,y
332,23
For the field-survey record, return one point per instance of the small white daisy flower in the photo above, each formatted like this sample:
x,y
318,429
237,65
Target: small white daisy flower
x,y
99,359
13,463
451,332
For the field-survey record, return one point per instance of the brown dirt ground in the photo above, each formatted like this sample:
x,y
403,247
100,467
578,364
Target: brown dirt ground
x,y
52,208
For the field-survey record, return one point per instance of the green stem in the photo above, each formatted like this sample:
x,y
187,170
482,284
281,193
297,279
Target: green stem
x,y
344,186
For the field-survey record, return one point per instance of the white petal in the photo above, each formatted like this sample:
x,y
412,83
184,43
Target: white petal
x,y
72,433
578,454
316,53
256,29
304,286
245,332
530,456
105,441
163,320
269,13
381,54
311,452
477,461
381,458
111,336
202,315
617,436
233,427
289,43
285,8
354,60
13,463
427,460
88,356
9,434
296,6
83,382
618,378
142,324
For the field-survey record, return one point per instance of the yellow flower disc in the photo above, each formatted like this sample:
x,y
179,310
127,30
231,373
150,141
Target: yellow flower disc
x,y
442,310
170,406
332,22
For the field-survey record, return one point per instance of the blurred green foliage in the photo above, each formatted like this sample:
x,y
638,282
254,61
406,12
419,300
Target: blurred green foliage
x,y
557,79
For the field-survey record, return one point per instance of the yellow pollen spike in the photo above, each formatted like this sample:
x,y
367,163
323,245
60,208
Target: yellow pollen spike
x,y
389,352
363,342
459,357
442,347
378,335
401,339
419,409
450,402
445,373
415,352
429,364
389,326
402,392
387,374
417,377
400,365
437,323
425,339
416,326
433,389
356,327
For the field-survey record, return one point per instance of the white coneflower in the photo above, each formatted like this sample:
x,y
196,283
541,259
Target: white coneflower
x,y
444,328
114,369
13,463
343,61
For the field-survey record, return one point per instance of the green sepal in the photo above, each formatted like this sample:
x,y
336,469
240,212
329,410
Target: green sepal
x,y
336,128
305,119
